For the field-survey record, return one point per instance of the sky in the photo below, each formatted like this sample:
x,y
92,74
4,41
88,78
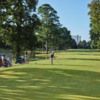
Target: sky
x,y
73,15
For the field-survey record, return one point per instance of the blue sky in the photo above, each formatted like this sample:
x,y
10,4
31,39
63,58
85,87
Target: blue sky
x,y
73,15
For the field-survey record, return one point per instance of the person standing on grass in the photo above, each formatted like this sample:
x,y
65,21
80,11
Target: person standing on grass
x,y
26,58
51,57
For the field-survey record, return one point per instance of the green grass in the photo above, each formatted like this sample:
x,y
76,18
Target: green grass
x,y
74,76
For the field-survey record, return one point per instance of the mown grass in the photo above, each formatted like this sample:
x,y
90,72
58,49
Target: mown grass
x,y
74,76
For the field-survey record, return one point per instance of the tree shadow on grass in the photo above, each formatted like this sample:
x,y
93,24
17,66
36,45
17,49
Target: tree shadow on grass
x,y
49,84
38,58
81,59
91,54
67,65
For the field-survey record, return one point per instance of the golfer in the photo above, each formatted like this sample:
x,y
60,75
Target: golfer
x,y
51,57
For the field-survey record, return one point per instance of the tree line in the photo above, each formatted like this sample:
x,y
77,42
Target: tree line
x,y
21,28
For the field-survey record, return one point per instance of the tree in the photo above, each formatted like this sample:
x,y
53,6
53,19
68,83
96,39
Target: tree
x,y
74,44
55,36
95,23
84,45
65,38
17,22
49,19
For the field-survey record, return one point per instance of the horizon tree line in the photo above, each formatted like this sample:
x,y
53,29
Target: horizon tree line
x,y
22,29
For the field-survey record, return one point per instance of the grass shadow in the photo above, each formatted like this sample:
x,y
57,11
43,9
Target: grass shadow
x,y
49,84
82,59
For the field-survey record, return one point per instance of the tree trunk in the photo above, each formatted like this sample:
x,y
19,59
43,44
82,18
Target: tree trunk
x,y
42,46
50,43
50,47
18,49
47,43
47,46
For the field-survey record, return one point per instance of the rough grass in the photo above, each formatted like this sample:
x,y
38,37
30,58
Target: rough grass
x,y
74,76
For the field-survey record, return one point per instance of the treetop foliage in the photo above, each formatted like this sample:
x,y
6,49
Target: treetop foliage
x,y
95,23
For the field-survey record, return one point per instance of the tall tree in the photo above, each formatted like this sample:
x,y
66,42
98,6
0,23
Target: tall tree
x,y
18,21
48,18
95,22
65,37
74,44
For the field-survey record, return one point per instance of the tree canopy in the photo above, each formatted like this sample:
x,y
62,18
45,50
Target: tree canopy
x,y
17,22
95,23
22,29
49,22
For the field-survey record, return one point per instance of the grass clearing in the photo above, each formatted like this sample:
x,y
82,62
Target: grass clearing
x,y
74,76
